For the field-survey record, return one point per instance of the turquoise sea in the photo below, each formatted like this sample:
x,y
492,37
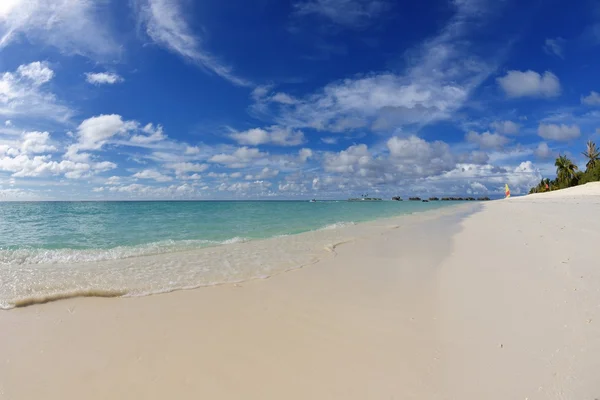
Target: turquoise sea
x,y
57,248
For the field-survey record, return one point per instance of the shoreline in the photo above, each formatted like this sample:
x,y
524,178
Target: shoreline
x,y
498,304
288,252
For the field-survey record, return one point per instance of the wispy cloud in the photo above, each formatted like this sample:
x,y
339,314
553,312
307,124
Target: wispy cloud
x,y
164,23
442,73
555,47
72,26
347,13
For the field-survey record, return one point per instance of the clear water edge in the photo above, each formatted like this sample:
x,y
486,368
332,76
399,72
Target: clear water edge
x,y
50,251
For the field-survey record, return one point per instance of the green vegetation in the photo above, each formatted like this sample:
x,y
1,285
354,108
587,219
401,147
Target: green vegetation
x,y
568,174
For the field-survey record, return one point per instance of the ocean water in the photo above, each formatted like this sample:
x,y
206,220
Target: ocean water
x,y
53,250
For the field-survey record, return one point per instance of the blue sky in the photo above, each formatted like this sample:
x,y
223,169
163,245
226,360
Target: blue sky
x,y
290,99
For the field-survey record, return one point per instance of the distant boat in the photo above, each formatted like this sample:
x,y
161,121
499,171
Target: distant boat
x,y
312,201
365,197
397,198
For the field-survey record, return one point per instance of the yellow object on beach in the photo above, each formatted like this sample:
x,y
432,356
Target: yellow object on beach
x,y
506,191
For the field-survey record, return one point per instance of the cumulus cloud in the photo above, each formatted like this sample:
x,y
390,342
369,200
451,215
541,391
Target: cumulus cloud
x,y
593,99
239,158
94,132
152,174
265,173
520,177
419,157
559,132
305,154
37,142
182,168
73,27
103,78
37,72
149,134
505,127
530,84
347,13
23,93
137,190
487,140
543,150
24,165
165,24
274,135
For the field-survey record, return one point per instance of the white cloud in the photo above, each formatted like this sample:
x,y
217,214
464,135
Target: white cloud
x,y
543,151
559,132
152,135
418,157
593,99
329,140
103,78
283,98
113,180
36,142
441,74
165,24
487,140
529,84
182,168
72,26
348,161
38,72
22,93
265,173
275,135
136,190
25,166
305,154
505,127
555,47
348,13
520,177
476,188
152,174
239,158
8,122
260,92
94,132
192,150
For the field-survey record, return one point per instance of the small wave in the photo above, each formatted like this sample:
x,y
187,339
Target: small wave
x,y
337,225
47,298
29,256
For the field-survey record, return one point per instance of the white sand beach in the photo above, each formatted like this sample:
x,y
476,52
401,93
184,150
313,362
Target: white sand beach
x,y
497,300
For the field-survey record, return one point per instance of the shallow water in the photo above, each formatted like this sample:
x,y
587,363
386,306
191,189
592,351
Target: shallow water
x,y
54,250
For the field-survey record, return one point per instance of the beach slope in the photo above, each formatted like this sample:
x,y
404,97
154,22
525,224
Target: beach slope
x,y
493,301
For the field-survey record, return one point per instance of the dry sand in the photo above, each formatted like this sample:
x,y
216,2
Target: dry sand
x,y
503,303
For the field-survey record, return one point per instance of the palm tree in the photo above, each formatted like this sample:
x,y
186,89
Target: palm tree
x,y
592,154
565,169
